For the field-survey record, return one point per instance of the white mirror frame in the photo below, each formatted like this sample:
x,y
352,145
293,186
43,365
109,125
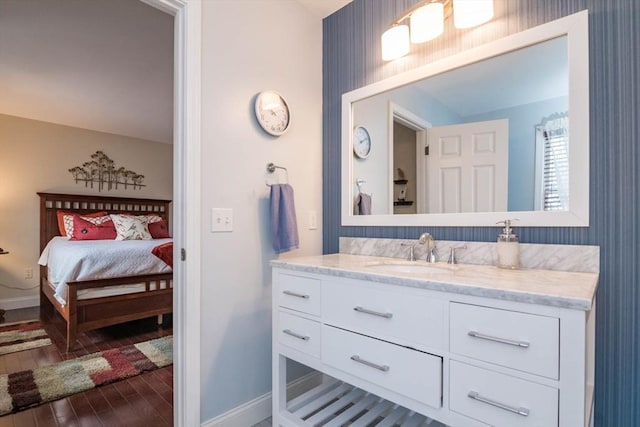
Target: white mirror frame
x,y
575,27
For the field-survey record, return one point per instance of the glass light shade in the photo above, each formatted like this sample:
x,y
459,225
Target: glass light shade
x,y
395,42
427,22
469,13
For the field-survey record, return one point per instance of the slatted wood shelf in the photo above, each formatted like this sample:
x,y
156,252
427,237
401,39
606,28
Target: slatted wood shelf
x,y
336,403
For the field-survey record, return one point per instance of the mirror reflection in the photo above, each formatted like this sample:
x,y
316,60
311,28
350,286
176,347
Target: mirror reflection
x,y
487,137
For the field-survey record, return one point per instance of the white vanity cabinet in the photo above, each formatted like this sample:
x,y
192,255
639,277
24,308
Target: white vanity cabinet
x,y
406,350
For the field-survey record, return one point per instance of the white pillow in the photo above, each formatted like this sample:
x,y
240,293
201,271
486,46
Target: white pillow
x,y
130,227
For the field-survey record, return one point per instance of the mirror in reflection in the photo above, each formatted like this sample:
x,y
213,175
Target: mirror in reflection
x,y
491,136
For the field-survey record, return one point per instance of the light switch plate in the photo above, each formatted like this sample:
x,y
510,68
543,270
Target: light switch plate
x,y
221,220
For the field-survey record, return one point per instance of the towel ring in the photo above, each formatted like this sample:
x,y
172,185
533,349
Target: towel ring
x,y
271,168
360,182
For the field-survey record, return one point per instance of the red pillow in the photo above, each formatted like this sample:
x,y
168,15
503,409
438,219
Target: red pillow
x,y
61,215
159,230
86,230
164,252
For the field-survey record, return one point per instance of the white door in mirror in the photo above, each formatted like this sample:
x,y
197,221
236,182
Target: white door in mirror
x,y
272,112
361,142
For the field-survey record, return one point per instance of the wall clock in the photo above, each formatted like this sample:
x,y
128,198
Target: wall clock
x,y
272,112
361,142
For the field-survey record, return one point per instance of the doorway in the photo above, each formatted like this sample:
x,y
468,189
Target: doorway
x,y
405,175
186,193
410,131
186,189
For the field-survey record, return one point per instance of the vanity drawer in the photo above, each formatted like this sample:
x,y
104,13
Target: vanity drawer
x,y
390,314
501,400
405,371
301,334
521,341
299,293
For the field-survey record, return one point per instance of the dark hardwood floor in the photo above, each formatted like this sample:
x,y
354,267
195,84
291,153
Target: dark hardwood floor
x,y
144,400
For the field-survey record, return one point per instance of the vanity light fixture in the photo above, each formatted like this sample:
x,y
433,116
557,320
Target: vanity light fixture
x,y
426,22
470,13
395,42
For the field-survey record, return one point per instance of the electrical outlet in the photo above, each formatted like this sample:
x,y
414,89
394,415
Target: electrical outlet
x,y
221,220
313,220
28,273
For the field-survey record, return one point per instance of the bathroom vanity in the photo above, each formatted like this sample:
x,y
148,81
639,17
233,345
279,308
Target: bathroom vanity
x,y
464,345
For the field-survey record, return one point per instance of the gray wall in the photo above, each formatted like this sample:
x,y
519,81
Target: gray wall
x,y
351,58
235,345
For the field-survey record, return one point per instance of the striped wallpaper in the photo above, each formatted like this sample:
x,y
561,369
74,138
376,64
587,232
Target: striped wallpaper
x,y
351,58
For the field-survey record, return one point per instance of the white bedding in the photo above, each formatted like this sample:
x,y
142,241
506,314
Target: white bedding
x,y
73,260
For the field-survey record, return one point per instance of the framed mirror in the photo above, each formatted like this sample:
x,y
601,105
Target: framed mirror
x,y
499,131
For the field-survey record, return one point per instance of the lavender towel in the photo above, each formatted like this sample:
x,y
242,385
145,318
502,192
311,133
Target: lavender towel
x,y
283,219
362,204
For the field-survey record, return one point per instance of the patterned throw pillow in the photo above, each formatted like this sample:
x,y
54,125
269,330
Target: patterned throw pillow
x,y
86,229
68,221
61,214
130,227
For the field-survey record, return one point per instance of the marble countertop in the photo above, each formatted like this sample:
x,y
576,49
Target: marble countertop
x,y
553,288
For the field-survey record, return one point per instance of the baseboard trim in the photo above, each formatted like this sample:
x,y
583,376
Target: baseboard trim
x,y
20,302
258,409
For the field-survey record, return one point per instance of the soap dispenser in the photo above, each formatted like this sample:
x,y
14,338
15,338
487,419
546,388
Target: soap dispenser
x,y
508,247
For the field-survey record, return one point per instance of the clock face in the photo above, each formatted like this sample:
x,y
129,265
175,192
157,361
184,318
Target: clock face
x,y
272,112
361,142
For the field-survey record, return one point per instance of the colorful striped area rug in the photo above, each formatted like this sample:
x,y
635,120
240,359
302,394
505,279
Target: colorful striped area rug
x,y
25,389
20,336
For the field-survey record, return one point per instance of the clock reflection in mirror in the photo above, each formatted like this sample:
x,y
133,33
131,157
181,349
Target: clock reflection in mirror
x,y
361,142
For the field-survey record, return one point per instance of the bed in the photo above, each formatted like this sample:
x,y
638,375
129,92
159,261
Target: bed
x,y
94,303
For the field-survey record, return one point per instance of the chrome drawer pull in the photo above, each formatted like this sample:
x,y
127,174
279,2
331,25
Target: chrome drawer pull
x,y
476,334
374,313
293,294
476,396
295,335
383,368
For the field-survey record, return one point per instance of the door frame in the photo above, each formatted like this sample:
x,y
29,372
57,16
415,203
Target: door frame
x,y
186,193
420,126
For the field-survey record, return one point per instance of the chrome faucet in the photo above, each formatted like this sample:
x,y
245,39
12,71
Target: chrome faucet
x,y
452,254
431,246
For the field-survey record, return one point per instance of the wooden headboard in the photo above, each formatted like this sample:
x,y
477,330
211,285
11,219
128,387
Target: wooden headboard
x,y
51,203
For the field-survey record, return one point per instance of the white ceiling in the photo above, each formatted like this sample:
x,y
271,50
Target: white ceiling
x,y
104,65
324,8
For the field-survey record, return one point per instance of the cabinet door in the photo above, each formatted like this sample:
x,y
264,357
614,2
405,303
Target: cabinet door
x,y
521,341
299,333
409,372
299,293
501,400
391,314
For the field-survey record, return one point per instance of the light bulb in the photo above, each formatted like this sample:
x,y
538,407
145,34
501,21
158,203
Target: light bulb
x,y
427,22
469,13
395,42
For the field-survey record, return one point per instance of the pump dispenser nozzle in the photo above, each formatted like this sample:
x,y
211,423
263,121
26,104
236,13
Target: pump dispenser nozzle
x,y
507,231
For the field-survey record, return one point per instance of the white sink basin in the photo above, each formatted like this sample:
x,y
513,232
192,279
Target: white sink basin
x,y
411,267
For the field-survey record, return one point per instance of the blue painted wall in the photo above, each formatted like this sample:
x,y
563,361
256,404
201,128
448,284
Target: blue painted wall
x,y
351,59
